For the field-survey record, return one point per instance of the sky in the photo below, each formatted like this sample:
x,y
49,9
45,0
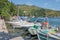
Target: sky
x,y
49,4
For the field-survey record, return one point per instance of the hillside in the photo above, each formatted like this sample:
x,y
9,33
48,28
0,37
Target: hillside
x,y
9,9
27,10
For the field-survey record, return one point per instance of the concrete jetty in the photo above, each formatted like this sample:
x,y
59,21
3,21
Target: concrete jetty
x,y
3,27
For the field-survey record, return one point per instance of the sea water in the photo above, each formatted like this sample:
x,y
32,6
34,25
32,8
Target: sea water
x,y
52,20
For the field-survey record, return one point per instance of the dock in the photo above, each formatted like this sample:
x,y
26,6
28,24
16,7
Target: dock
x,y
3,27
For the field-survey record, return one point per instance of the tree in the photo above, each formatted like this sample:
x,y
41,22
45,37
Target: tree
x,y
7,9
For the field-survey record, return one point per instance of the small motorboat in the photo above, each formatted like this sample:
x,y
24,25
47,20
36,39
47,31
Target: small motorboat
x,y
46,33
21,23
48,36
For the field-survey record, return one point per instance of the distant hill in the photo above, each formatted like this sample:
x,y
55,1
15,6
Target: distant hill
x,y
9,9
26,10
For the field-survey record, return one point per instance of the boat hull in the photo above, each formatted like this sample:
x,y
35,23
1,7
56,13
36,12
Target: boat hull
x,y
47,37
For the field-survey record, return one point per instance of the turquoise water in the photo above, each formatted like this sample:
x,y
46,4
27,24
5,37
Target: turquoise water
x,y
52,21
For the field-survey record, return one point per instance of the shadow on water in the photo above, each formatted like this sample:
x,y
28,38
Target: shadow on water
x,y
27,36
6,36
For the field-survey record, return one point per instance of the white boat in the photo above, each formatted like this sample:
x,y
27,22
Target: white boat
x,y
50,36
21,23
44,34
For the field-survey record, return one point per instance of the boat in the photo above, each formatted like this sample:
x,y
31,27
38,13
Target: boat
x,y
48,36
44,34
21,23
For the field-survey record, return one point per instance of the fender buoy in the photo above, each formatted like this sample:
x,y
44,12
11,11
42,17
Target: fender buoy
x,y
45,23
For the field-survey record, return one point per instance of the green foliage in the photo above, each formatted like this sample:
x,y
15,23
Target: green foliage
x,y
37,11
8,9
